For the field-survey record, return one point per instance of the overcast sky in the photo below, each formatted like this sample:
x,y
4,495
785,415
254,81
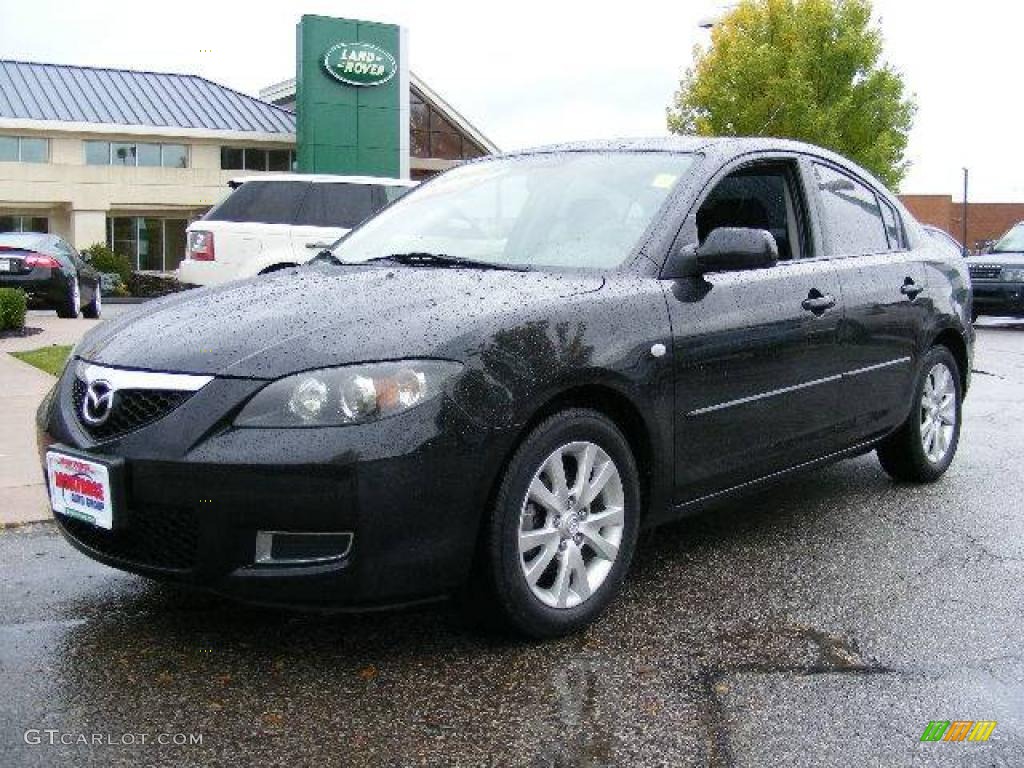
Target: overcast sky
x,y
527,72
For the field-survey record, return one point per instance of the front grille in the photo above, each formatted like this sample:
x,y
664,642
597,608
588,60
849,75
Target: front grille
x,y
163,537
986,271
132,409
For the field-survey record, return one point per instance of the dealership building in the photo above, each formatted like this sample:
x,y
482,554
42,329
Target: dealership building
x,y
129,157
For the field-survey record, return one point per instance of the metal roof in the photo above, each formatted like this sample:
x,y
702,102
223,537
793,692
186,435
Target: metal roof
x,y
65,93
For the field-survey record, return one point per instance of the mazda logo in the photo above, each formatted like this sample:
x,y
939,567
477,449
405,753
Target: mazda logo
x,y
98,403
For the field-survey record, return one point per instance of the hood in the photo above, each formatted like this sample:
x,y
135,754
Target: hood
x,y
1006,258
320,316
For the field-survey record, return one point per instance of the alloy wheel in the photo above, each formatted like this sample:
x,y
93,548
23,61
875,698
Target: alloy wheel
x,y
938,413
571,524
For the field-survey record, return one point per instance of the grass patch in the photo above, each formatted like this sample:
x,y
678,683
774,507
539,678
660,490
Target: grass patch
x,y
49,359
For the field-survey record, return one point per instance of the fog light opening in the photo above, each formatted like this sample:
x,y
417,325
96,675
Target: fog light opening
x,y
305,548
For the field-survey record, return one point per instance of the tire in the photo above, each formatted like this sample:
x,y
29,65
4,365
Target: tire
x,y
95,307
577,565
72,304
905,455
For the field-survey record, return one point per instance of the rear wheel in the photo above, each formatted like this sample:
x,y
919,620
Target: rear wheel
x,y
93,309
564,526
72,303
923,448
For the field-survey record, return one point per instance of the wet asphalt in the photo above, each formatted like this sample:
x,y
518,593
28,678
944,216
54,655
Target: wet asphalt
x,y
823,622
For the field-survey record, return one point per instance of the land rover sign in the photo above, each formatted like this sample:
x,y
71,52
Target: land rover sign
x,y
360,64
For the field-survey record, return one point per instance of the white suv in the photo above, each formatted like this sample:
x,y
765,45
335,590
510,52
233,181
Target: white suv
x,y
273,222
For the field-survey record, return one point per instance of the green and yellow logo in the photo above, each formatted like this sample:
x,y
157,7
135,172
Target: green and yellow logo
x,y
958,730
360,64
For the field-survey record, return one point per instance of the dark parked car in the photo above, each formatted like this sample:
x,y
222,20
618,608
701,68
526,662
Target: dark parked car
x,y
998,276
51,272
492,385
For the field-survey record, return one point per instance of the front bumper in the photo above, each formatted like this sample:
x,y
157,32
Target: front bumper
x,y
410,490
998,298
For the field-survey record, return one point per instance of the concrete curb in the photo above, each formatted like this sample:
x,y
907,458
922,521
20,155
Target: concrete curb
x,y
21,478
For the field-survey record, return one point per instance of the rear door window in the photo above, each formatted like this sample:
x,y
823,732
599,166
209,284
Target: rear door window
x,y
267,202
337,205
852,214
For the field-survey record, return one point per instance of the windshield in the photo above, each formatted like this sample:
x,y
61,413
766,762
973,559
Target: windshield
x,y
27,240
1011,241
584,210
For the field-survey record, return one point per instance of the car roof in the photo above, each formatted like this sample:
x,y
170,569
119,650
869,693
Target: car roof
x,y
323,178
724,147
678,143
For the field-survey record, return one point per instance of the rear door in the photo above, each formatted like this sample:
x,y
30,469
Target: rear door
x,y
329,211
884,292
756,352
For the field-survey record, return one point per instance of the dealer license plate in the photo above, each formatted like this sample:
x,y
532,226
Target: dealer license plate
x,y
80,488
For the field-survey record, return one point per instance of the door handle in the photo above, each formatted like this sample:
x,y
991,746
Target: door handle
x,y
818,303
911,289
318,246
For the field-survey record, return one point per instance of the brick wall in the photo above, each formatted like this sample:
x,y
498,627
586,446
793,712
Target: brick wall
x,y
985,221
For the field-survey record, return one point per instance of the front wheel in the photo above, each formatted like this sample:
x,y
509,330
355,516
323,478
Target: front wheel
x,y
95,307
72,303
922,449
564,525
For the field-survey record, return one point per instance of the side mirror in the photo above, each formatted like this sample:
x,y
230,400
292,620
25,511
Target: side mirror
x,y
731,249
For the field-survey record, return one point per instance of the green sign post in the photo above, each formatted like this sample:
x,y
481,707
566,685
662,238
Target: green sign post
x,y
351,98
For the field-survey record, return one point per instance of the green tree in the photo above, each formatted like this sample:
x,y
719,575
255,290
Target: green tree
x,y
801,69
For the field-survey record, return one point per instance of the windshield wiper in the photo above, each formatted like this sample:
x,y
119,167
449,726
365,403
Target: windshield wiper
x,y
328,255
417,258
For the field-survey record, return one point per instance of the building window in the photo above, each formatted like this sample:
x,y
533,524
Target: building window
x,y
150,243
231,158
130,153
123,154
431,134
23,149
24,224
97,152
174,156
256,159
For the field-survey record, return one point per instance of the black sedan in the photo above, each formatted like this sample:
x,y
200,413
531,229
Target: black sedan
x,y
52,273
491,386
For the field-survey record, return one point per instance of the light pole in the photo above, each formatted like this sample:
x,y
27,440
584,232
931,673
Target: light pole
x,y
964,222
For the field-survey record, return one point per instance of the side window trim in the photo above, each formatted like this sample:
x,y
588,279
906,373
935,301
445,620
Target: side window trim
x,y
901,245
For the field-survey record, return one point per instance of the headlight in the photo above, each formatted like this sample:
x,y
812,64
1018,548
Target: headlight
x,y
1011,275
349,395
